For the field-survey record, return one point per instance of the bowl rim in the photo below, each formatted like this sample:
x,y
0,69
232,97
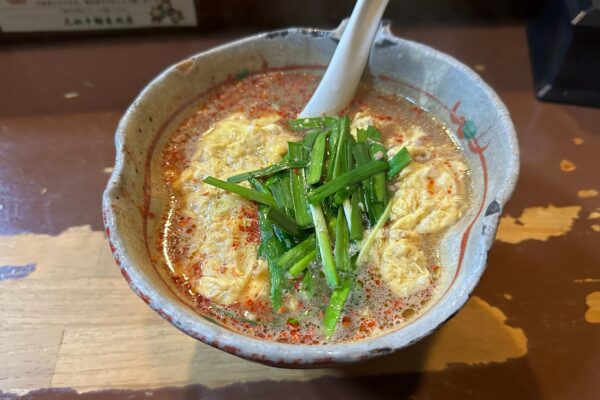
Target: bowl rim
x,y
301,355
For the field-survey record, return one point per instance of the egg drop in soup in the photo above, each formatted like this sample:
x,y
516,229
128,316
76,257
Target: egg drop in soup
x,y
308,231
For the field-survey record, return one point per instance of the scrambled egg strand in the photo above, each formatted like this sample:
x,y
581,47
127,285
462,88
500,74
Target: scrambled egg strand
x,y
231,269
429,196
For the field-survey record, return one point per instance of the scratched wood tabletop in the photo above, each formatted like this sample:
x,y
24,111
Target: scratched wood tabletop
x,y
71,328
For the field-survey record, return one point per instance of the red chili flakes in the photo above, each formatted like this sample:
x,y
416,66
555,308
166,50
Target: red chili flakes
x,y
253,234
416,110
202,301
223,269
196,270
296,171
176,279
297,284
430,184
205,194
371,324
397,303
346,320
251,228
250,212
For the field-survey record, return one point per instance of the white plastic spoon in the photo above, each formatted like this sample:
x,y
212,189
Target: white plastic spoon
x,y
343,74
337,88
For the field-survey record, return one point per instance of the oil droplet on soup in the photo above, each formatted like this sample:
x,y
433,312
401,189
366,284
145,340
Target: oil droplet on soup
x,y
208,244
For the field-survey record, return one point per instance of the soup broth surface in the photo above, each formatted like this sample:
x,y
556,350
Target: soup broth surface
x,y
209,241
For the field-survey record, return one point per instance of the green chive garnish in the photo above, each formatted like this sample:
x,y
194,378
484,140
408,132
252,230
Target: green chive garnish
x,y
397,163
317,157
334,308
284,221
324,243
347,179
250,194
342,242
270,170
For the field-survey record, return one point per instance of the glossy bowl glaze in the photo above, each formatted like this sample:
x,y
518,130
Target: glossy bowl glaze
x,y
472,111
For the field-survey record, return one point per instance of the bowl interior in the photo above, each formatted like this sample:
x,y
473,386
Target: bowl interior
x,y
477,119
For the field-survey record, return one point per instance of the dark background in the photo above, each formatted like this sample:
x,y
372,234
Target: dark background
x,y
216,16
276,13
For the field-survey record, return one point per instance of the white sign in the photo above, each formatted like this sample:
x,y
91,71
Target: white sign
x,y
88,15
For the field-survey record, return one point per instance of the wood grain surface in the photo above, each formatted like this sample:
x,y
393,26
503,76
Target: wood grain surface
x,y
71,328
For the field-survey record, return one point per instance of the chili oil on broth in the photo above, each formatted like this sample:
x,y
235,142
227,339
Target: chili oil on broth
x,y
210,246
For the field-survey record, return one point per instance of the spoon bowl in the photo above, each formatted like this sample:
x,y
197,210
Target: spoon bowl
x,y
346,67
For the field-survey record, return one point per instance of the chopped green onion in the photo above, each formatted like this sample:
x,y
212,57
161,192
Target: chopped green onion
x,y
284,221
302,124
297,252
331,219
370,133
307,285
347,207
303,263
362,254
379,152
271,249
356,223
334,308
333,139
373,133
310,137
350,163
361,154
341,147
317,157
397,163
273,183
258,185
347,179
270,170
275,283
286,191
298,186
284,238
324,242
342,242
343,195
250,194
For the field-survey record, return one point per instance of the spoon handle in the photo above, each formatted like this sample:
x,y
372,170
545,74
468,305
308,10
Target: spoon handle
x,y
343,74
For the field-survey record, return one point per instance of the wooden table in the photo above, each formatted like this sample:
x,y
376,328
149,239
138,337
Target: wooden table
x,y
71,328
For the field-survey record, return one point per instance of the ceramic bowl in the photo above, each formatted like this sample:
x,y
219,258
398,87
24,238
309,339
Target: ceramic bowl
x,y
472,111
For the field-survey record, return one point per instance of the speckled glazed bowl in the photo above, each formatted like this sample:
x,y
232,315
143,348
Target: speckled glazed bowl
x,y
450,90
